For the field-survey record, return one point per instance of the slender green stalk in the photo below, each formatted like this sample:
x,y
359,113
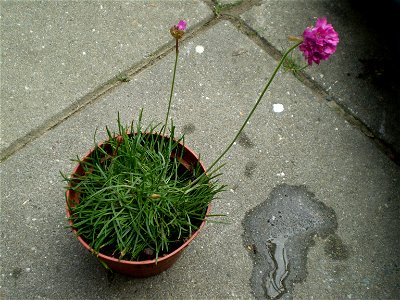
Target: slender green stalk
x,y
172,87
137,202
255,106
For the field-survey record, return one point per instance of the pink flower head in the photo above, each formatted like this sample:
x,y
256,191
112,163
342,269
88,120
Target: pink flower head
x,y
181,25
319,42
178,30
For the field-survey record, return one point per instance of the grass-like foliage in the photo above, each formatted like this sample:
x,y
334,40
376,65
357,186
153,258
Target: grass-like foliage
x,y
137,199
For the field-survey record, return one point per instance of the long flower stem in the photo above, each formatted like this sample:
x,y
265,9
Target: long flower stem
x,y
172,87
255,106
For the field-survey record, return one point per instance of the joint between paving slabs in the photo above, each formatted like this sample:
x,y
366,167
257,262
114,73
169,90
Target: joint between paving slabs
x,y
99,91
317,89
232,12
164,50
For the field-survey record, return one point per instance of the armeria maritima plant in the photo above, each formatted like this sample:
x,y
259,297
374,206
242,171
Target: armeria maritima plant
x,y
135,201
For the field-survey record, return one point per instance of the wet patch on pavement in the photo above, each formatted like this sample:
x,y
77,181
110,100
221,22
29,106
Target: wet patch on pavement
x,y
335,249
278,234
245,141
188,129
250,168
16,273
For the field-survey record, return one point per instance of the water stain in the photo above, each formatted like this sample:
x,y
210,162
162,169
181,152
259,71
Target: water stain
x,y
277,259
245,141
188,129
16,273
282,229
335,249
249,168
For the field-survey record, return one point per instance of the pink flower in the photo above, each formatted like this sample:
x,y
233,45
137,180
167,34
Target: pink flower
x,y
181,25
319,42
178,30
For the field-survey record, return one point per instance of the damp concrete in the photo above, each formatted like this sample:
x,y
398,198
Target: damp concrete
x,y
279,232
307,149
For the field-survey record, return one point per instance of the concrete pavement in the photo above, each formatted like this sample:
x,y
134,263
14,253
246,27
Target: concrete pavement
x,y
317,180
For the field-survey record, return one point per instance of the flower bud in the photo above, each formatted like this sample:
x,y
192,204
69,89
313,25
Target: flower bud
x,y
178,30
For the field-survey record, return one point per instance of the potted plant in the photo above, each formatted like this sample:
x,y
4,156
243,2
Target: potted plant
x,y
137,199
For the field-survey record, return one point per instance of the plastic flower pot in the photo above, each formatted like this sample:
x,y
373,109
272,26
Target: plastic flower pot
x,y
145,268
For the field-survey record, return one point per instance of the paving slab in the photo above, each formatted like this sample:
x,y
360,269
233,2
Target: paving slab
x,y
307,149
362,75
55,52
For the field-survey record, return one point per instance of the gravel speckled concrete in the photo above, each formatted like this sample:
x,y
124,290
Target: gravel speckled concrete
x,y
362,75
308,144
54,53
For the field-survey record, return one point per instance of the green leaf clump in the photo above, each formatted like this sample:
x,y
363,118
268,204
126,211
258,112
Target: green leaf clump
x,y
138,198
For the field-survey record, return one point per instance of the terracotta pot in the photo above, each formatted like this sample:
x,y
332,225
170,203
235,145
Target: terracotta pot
x,y
144,268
